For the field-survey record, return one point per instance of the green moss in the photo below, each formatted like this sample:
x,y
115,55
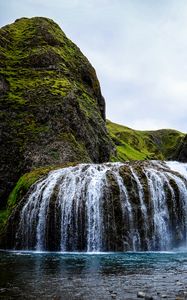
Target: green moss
x,y
78,146
16,99
141,145
60,86
4,214
24,183
28,179
22,187
87,104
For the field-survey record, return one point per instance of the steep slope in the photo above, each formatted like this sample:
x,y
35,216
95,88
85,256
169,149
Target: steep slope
x,y
181,152
140,145
51,107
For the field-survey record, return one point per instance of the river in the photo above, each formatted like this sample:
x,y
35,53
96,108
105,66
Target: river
x,y
89,276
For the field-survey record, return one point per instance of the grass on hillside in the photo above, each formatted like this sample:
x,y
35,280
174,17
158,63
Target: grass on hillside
x,y
142,145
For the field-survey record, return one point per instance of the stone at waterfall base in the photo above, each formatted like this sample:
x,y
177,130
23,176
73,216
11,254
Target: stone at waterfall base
x,y
143,295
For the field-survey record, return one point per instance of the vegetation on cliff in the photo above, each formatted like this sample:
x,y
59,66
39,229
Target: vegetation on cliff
x,y
51,107
21,188
142,145
181,151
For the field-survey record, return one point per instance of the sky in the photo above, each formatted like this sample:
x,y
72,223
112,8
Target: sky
x,y
138,48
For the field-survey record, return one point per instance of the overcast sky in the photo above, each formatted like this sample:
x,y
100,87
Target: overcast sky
x,y
138,48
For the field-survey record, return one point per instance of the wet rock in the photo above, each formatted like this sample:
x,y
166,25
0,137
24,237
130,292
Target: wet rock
x,y
148,297
141,294
3,85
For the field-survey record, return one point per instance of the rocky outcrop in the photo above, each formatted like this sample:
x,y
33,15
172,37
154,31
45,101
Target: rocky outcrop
x,y
181,152
51,107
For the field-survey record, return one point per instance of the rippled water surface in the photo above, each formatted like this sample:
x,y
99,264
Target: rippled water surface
x,y
29,275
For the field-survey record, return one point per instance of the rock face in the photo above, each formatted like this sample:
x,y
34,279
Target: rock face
x,y
181,152
51,107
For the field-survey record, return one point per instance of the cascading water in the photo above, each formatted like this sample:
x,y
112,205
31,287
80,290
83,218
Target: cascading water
x,y
105,207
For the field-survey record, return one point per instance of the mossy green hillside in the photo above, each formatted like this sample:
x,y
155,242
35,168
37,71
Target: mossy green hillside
x,y
142,145
51,107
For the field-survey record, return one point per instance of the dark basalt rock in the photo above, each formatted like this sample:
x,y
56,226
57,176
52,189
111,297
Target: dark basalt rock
x,y
51,107
181,152
3,85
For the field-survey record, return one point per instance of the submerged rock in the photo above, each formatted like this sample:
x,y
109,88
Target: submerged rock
x,y
148,297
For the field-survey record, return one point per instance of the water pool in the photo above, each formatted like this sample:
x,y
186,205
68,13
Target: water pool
x,y
69,276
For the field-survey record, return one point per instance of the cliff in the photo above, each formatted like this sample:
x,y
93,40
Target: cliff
x,y
51,107
181,152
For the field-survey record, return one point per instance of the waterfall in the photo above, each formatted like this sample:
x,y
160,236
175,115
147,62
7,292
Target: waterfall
x,y
130,206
